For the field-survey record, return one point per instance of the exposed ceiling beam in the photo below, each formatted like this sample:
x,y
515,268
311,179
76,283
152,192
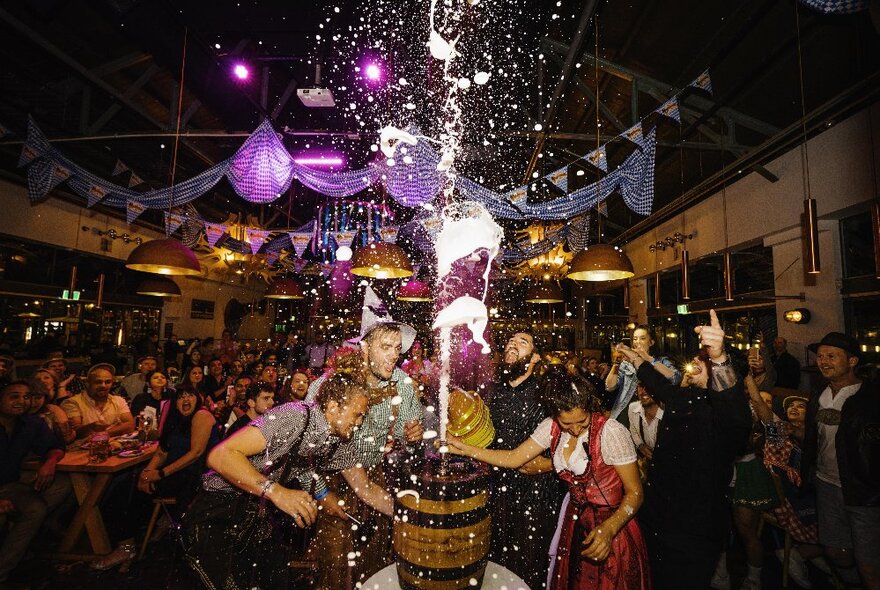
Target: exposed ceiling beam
x,y
591,96
129,93
120,63
83,71
285,97
567,69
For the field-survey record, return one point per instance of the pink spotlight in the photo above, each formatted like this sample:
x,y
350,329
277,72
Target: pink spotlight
x,y
319,160
241,71
373,72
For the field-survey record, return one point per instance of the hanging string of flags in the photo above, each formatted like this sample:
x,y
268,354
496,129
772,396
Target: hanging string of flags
x,y
262,169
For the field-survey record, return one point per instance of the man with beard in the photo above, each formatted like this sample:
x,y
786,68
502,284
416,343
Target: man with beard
x,y
392,422
524,503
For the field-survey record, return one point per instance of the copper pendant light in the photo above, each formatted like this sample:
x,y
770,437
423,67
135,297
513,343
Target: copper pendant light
x,y
166,256
544,292
810,229
159,287
685,276
415,290
657,290
381,260
600,262
285,289
626,294
728,277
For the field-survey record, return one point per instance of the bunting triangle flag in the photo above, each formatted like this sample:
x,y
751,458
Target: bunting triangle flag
x,y
256,238
703,82
299,264
598,158
172,222
389,233
517,195
271,257
28,155
634,134
299,241
120,168
135,180
133,210
95,194
559,178
602,207
59,174
345,238
670,109
213,232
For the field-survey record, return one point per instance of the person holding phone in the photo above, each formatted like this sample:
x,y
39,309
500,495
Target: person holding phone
x,y
706,425
622,380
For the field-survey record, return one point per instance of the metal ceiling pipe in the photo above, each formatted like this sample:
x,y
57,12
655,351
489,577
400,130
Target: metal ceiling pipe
x,y
573,53
83,71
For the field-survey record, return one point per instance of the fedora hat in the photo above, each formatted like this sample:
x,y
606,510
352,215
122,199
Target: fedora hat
x,y
375,314
838,340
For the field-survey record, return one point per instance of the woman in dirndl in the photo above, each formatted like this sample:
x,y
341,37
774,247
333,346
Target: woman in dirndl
x,y
600,545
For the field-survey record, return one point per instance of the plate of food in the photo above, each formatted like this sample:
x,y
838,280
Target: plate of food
x,y
131,453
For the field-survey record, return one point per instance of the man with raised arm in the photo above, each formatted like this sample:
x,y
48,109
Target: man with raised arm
x,y
706,425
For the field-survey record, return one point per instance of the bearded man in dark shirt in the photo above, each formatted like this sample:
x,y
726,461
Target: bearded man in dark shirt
x,y
524,503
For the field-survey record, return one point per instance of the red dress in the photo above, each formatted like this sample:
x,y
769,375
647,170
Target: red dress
x,y
595,495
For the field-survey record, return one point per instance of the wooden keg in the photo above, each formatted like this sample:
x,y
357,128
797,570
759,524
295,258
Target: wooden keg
x,y
441,538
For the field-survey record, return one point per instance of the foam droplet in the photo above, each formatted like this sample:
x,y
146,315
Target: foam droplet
x,y
481,78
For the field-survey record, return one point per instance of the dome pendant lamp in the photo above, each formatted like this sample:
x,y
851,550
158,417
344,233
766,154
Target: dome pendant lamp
x,y
381,260
166,256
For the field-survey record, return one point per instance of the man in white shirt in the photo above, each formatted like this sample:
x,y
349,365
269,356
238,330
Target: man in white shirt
x,y
840,443
133,385
96,409
644,422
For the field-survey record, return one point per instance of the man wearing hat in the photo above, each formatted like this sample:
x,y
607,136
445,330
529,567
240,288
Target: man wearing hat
x,y
96,409
134,384
842,450
68,384
394,418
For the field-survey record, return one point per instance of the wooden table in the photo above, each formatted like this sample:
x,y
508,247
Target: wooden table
x,y
89,483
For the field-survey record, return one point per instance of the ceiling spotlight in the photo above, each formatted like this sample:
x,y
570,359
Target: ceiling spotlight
x,y
241,71
373,72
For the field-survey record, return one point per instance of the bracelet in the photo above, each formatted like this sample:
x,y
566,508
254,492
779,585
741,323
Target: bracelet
x,y
265,487
322,494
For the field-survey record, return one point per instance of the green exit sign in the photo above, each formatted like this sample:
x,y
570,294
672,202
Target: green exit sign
x,y
67,295
683,309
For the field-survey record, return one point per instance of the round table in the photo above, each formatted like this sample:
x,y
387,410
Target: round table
x,y
496,578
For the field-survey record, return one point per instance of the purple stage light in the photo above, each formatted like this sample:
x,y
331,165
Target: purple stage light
x,y
241,71
319,160
373,71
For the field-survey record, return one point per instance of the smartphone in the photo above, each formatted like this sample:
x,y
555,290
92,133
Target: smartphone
x,y
230,394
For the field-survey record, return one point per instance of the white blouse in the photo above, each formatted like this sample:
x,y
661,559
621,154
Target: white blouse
x,y
616,446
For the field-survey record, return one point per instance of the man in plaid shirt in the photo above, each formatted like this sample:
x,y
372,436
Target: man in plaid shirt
x,y
394,420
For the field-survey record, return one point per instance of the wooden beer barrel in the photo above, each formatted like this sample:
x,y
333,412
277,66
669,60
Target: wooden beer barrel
x,y
441,539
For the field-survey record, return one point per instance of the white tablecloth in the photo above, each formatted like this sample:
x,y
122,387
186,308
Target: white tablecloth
x,y
496,578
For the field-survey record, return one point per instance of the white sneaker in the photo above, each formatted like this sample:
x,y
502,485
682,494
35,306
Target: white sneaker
x,y
797,570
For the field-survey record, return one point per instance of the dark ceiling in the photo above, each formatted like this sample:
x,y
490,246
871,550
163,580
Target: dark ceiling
x,y
90,70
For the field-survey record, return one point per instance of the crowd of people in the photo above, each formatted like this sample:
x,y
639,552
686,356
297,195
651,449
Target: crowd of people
x,y
625,474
